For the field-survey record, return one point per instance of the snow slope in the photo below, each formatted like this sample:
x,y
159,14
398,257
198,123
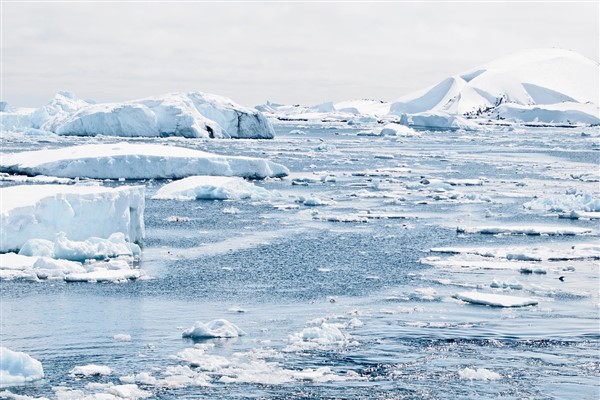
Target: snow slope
x,y
192,115
136,161
530,80
81,212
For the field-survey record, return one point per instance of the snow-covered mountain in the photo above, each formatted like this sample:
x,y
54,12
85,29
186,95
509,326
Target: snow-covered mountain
x,y
541,85
193,114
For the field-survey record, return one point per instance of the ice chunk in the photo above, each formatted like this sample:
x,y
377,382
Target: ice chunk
x,y
316,336
479,374
136,161
81,212
86,371
92,248
495,300
393,129
212,188
17,368
122,337
219,328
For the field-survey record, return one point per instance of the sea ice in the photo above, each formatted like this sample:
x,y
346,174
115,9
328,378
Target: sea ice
x,y
93,248
80,212
17,368
212,188
479,374
86,371
219,328
136,161
495,300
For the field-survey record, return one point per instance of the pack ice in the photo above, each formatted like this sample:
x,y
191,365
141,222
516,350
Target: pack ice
x,y
136,161
192,115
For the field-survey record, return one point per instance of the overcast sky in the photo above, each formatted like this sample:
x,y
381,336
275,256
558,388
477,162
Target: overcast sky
x,y
284,52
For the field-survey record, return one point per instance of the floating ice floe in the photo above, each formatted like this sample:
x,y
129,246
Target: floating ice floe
x,y
90,370
81,212
495,300
108,391
219,328
526,230
567,203
393,129
192,115
482,374
93,248
136,161
212,188
324,335
17,368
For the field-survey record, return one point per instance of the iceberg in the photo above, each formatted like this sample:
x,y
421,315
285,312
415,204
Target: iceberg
x,y
552,86
17,368
81,212
212,188
136,161
191,115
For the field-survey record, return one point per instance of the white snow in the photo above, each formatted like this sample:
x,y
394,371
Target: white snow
x,y
495,300
218,328
17,368
479,374
193,114
538,85
136,161
212,188
81,212
86,371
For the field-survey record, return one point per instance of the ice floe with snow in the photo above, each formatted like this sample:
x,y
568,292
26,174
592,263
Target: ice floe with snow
x,y
213,188
526,230
80,212
495,300
218,328
90,370
136,161
481,374
115,245
17,368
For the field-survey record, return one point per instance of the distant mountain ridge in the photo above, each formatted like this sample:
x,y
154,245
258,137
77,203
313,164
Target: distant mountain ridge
x,y
530,78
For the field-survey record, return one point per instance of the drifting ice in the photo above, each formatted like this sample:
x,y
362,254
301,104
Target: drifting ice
x,y
136,161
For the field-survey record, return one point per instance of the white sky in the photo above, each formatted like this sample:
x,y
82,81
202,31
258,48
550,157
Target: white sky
x,y
285,52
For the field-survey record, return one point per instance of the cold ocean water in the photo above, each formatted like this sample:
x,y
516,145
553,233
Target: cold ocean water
x,y
353,298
